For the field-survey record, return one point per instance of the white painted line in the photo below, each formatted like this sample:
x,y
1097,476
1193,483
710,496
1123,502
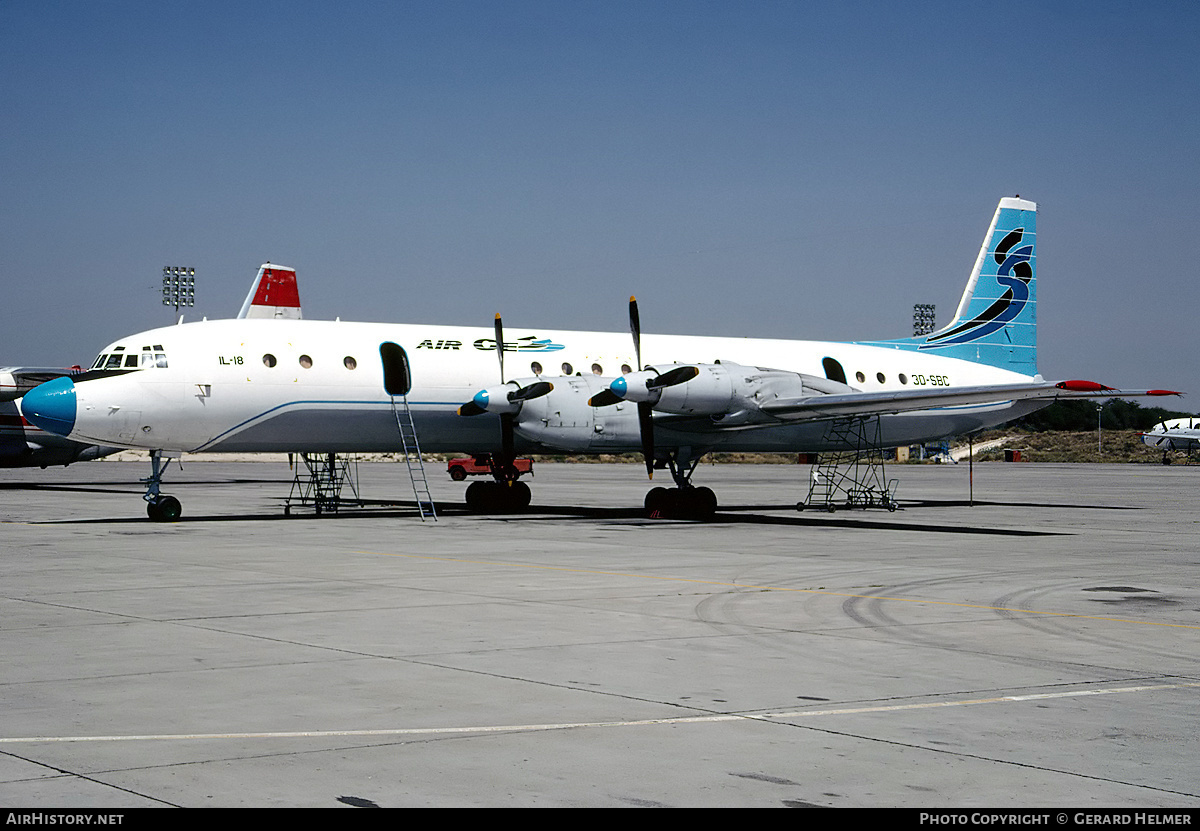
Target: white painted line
x,y
533,728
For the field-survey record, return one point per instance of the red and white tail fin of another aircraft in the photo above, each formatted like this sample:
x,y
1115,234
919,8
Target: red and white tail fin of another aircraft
x,y
274,294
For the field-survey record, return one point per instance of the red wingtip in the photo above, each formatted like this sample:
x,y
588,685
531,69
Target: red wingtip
x,y
1084,386
1162,392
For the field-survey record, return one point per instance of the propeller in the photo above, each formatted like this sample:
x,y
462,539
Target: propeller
x,y
642,387
504,400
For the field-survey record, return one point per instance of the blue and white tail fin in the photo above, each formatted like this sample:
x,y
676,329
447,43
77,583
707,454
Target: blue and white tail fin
x,y
996,320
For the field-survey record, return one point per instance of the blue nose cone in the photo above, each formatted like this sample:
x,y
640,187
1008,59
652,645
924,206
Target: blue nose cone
x,y
51,406
619,387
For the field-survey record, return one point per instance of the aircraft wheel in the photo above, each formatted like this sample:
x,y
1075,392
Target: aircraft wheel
x,y
497,497
520,496
703,503
656,501
477,501
164,509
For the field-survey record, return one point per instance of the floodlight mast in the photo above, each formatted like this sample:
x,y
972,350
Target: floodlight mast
x,y
924,315
178,287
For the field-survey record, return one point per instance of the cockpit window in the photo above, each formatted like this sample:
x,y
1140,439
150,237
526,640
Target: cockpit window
x,y
153,356
118,357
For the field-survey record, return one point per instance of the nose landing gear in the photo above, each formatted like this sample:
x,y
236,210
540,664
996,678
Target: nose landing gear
x,y
160,507
164,509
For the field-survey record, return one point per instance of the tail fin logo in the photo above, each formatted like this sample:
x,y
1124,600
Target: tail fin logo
x,y
1013,274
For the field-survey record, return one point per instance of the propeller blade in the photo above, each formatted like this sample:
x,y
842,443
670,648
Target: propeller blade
x,y
673,377
635,329
645,410
506,436
471,409
500,345
534,390
604,398
646,428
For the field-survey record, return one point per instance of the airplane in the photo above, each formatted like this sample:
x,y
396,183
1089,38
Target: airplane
x,y
273,294
1174,434
313,386
26,445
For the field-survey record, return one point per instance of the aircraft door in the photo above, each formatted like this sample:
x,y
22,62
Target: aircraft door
x,y
128,424
397,379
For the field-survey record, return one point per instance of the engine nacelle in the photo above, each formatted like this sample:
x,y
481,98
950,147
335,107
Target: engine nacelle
x,y
564,420
732,394
713,391
495,399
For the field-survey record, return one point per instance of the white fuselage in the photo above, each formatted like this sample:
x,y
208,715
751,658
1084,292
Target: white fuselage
x,y
318,386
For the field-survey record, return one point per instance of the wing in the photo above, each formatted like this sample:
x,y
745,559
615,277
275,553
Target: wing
x,y
816,407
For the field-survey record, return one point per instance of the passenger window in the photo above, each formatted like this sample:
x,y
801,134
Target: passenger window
x,y
879,376
306,362
349,362
860,377
535,368
625,369
903,378
597,369
269,360
567,369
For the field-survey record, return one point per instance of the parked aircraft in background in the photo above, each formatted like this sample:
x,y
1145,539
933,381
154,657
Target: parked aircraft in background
x,y
26,445
340,387
273,294
1174,434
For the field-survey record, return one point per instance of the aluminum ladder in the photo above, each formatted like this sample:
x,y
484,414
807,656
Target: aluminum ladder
x,y
412,456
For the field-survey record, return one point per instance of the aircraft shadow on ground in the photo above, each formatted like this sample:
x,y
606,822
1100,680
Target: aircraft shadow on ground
x,y
122,487
760,514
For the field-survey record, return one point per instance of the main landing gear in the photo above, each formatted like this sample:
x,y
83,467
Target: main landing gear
x,y
503,497
505,494
684,501
160,507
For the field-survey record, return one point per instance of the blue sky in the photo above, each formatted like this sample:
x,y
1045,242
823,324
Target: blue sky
x,y
783,169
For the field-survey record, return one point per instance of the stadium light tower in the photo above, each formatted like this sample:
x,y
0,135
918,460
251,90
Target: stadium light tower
x,y
924,315
178,287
